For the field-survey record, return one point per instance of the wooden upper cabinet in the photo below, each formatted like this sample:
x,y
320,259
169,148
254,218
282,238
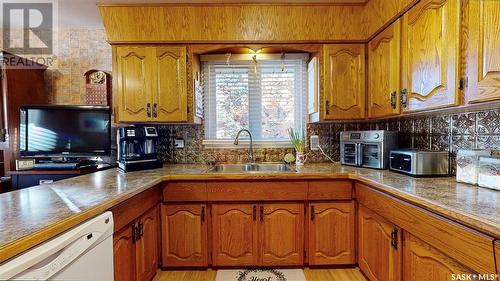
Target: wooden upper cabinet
x,y
133,82
184,235
430,48
170,91
423,262
124,255
384,71
344,81
150,84
282,233
482,41
379,247
147,246
331,233
235,235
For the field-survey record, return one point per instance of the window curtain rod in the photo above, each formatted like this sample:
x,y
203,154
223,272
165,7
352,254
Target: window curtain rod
x,y
260,57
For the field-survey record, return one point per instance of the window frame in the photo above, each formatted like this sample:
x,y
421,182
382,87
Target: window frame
x,y
254,100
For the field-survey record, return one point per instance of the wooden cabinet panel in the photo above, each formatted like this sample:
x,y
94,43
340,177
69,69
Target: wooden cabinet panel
x,y
133,83
184,235
124,255
423,262
344,81
147,246
331,233
170,89
430,47
257,190
384,68
330,190
482,52
461,243
235,235
185,191
282,234
378,259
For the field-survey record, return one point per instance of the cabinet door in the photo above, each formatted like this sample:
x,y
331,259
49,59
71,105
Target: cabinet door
x,y
184,235
234,234
331,233
124,255
282,234
482,51
344,66
423,262
384,68
430,47
497,255
378,258
170,104
133,84
147,246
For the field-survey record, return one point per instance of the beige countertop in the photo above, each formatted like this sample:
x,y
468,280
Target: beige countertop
x,y
33,215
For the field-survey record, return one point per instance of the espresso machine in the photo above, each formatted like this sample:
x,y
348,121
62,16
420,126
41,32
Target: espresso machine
x,y
137,148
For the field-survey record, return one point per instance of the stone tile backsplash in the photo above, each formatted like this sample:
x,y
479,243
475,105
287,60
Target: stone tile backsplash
x,y
434,132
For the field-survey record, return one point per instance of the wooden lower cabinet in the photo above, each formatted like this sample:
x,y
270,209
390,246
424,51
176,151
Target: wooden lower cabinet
x,y
184,235
379,247
124,254
497,255
135,248
147,245
234,234
423,262
331,233
282,233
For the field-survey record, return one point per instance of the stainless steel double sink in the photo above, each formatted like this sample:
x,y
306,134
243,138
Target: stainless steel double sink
x,y
252,168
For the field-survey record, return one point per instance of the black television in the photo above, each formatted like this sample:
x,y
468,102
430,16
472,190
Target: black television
x,y
64,131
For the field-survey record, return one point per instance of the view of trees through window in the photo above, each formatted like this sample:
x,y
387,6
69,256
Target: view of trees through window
x,y
265,99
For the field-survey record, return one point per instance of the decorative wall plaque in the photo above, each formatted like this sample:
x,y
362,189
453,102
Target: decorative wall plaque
x,y
98,87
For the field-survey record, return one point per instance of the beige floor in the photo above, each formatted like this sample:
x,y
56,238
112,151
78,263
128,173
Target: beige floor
x,y
351,274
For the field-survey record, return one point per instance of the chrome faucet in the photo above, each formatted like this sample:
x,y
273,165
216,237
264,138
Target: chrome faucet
x,y
250,148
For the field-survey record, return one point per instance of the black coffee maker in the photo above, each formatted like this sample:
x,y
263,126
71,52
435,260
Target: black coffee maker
x,y
137,148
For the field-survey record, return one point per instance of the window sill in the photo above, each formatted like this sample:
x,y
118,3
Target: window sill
x,y
217,144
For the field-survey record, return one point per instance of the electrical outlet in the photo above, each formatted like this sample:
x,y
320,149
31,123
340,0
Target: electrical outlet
x,y
314,142
179,143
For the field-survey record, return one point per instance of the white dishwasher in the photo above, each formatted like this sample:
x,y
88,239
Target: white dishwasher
x,y
84,252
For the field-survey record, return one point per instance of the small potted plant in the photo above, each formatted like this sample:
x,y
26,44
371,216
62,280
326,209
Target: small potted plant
x,y
299,142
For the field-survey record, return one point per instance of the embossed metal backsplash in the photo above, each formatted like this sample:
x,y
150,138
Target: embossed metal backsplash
x,y
435,132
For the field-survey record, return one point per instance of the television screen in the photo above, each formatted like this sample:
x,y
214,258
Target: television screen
x,y
64,131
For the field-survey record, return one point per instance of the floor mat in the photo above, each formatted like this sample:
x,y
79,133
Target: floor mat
x,y
261,275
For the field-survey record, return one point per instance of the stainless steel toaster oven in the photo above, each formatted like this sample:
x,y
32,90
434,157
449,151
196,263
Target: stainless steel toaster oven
x,y
420,162
367,148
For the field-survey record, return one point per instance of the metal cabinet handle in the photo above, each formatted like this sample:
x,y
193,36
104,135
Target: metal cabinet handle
x,y
141,230
148,109
327,107
394,238
261,213
202,213
254,213
404,98
312,212
155,110
393,99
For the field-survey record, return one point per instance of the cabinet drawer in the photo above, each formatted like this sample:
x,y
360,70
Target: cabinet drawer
x,y
257,191
185,191
330,190
465,245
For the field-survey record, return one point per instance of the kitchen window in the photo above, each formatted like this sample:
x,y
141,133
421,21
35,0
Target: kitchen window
x,y
265,93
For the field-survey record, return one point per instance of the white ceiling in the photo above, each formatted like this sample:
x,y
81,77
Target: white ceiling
x,y
84,13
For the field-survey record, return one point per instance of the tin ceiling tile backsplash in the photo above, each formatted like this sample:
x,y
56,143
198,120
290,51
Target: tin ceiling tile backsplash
x,y
438,132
